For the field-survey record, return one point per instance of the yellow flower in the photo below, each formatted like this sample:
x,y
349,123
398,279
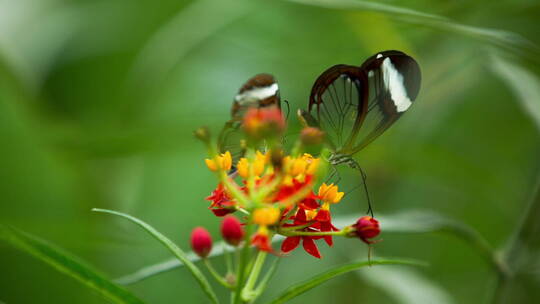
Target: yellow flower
x,y
265,216
330,194
310,214
298,166
244,166
258,165
222,161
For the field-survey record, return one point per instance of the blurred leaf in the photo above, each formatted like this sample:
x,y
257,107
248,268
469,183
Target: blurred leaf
x,y
300,288
67,264
522,255
183,33
503,39
197,274
148,271
426,221
406,286
524,84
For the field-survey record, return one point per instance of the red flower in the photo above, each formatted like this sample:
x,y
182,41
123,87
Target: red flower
x,y
221,202
201,242
291,242
261,241
367,228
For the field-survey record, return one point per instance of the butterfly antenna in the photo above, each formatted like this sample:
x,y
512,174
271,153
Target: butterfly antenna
x,y
364,181
288,109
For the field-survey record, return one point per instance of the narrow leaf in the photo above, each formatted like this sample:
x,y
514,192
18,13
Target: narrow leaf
x,y
524,84
406,286
317,280
419,221
66,264
197,274
500,38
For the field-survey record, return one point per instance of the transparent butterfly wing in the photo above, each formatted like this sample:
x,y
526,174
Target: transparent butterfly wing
x,y
393,85
259,91
354,105
338,103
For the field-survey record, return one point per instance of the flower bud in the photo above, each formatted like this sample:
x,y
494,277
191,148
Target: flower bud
x,y
367,228
264,122
232,230
203,134
201,242
311,136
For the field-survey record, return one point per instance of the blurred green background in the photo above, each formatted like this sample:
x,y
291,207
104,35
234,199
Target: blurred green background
x,y
98,101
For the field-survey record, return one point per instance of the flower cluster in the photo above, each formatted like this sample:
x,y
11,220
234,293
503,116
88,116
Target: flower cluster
x,y
279,193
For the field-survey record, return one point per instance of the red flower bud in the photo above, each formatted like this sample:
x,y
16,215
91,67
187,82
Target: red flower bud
x,y
201,242
367,228
232,230
264,122
311,136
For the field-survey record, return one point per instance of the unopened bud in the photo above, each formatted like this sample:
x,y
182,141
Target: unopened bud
x,y
367,228
203,134
201,242
311,136
264,123
231,230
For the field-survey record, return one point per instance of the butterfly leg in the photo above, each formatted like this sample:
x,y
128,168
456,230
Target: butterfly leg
x,y
333,173
364,181
356,165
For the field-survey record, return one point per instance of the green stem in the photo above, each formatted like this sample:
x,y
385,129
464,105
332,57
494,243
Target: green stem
x,y
248,290
233,189
215,274
242,262
269,274
306,233
228,260
296,227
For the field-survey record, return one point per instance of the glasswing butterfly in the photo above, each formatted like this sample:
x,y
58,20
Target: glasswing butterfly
x,y
352,105
259,91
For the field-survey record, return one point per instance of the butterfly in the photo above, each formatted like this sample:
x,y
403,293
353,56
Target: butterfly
x,y
353,105
259,91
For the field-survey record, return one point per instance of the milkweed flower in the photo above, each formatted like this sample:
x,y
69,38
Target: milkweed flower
x,y
223,162
264,217
276,192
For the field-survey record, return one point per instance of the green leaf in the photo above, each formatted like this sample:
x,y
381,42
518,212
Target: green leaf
x,y
317,280
406,286
197,274
500,38
418,221
67,264
524,84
